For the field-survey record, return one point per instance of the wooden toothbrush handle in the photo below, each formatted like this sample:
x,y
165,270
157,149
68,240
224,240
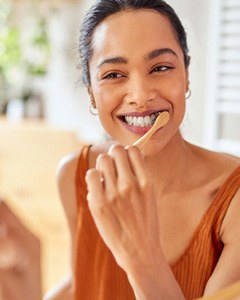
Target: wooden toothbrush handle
x,y
161,120
142,140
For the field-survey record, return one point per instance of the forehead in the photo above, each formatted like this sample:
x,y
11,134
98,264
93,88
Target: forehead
x,y
142,29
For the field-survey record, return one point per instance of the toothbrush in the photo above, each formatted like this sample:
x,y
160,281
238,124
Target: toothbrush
x,y
161,120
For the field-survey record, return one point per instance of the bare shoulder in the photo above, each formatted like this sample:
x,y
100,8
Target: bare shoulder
x,y
227,270
227,161
222,166
98,149
66,171
231,224
66,185
225,164
218,165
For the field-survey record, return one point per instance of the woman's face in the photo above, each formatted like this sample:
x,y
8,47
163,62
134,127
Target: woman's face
x,y
137,62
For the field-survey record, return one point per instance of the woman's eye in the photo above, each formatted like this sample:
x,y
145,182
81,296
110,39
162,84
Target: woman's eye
x,y
112,76
161,69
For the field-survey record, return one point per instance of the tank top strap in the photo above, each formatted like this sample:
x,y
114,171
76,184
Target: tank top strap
x,y
82,166
220,205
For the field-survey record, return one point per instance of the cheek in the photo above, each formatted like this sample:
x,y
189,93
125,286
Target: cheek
x,y
106,104
107,100
176,97
177,85
177,94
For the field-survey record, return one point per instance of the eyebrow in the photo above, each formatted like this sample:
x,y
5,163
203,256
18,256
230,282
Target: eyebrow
x,y
153,54
158,52
113,60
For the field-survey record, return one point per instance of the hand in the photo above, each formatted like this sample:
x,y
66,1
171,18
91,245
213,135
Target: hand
x,y
124,207
20,275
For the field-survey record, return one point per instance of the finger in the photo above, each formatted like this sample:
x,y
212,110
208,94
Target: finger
x,y
104,218
121,161
106,166
138,165
136,160
94,180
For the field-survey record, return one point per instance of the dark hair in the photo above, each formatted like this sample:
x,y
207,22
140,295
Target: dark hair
x,y
104,8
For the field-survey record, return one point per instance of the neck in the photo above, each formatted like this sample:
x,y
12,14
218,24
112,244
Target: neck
x,y
171,166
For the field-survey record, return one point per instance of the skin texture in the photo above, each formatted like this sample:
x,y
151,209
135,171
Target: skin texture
x,y
19,259
142,78
140,219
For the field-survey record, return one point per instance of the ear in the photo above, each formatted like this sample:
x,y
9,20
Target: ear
x,y
92,100
187,86
187,81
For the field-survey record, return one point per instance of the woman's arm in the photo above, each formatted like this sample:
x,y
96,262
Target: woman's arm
x,y
227,270
124,206
66,184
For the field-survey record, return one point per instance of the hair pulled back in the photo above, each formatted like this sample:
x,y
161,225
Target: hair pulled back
x,y
105,8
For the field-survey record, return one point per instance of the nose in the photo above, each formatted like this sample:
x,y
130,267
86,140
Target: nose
x,y
139,92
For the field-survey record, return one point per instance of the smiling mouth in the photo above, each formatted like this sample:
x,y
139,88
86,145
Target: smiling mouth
x,y
140,121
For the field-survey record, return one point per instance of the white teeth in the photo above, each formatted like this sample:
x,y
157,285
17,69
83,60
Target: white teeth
x,y
147,120
141,121
135,121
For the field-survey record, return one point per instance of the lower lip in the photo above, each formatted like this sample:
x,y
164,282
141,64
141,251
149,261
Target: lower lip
x,y
136,129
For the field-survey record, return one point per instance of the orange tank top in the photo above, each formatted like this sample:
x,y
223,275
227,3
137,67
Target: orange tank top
x,y
97,275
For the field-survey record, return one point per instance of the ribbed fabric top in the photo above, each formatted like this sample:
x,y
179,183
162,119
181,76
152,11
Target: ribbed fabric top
x,y
97,275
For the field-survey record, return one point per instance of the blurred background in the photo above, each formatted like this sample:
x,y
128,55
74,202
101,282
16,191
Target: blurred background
x,y
44,108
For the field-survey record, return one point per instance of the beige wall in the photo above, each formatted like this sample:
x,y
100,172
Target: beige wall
x,y
66,99
30,152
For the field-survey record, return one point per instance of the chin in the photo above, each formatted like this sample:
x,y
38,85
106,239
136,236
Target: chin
x,y
152,149
149,151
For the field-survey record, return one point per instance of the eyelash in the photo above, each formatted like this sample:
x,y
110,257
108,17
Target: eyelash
x,y
161,68
112,76
115,75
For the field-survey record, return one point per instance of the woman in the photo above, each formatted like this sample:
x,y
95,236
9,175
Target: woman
x,y
161,223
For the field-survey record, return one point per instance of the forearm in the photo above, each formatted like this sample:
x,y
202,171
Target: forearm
x,y
154,283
